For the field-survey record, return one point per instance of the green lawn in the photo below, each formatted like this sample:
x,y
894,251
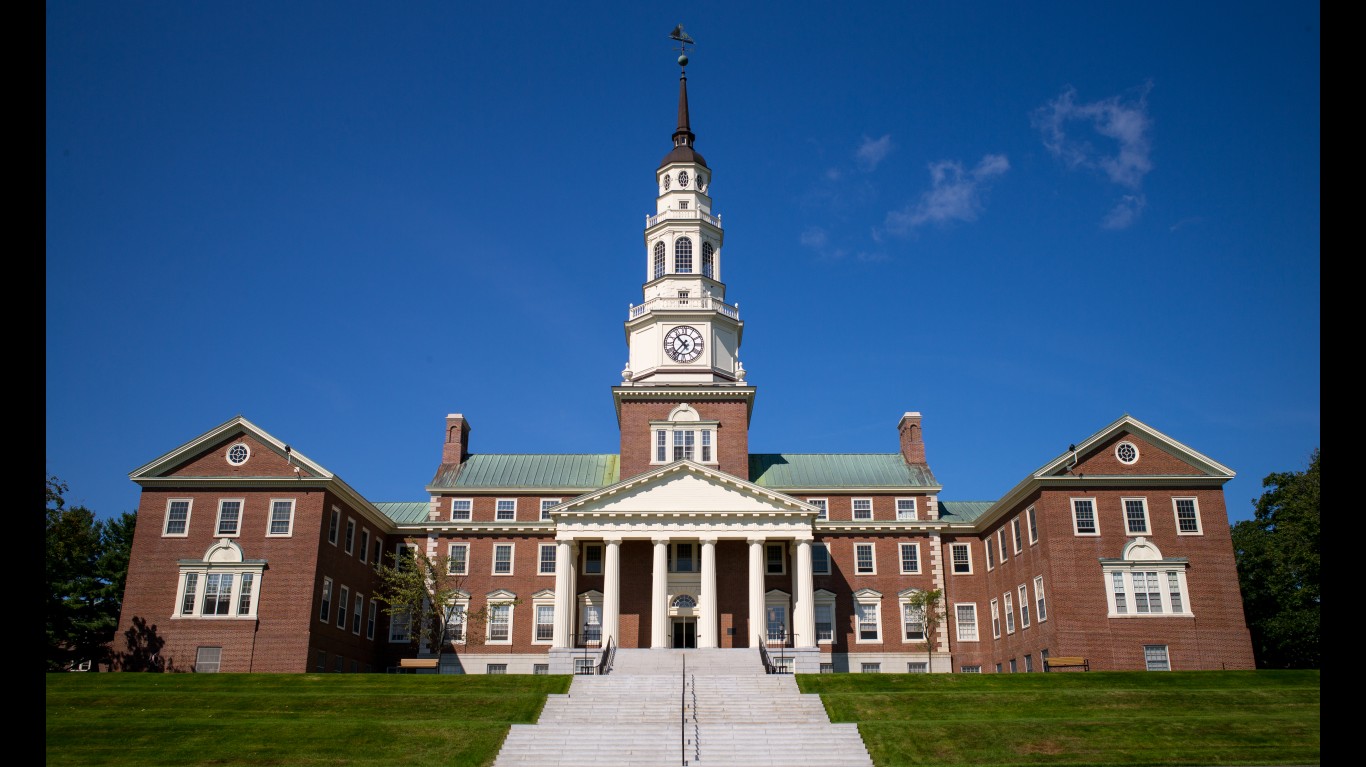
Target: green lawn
x,y
1120,719
945,720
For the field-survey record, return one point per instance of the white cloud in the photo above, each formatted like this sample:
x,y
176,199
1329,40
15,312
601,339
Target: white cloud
x,y
955,194
1127,126
871,152
814,237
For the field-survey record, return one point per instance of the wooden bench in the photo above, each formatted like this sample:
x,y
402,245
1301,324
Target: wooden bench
x,y
1066,661
417,663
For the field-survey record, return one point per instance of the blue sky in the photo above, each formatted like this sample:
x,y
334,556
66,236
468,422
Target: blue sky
x,y
345,220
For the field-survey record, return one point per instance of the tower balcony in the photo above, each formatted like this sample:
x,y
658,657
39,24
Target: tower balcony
x,y
683,215
685,304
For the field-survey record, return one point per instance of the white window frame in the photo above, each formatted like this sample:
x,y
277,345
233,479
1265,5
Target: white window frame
x,y
465,514
901,557
917,667
1147,521
194,578
959,627
1129,607
974,669
1016,537
782,558
350,535
855,511
400,627
333,525
464,559
289,520
343,606
870,667
1040,600
694,556
590,605
824,600
909,514
953,558
371,618
1176,515
539,602
498,513
1008,607
1001,544
1150,661
601,558
493,606
815,569
704,440
904,609
862,599
995,619
990,553
512,559
458,618
207,658
872,559
218,523
1095,517
364,547
166,524
1022,593
540,558
546,505
1033,525
823,507
325,603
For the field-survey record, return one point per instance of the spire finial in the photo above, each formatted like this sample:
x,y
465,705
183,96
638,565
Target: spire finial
x,y
683,42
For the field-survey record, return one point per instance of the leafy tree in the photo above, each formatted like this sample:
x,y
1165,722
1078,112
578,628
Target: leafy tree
x,y
421,589
85,568
930,604
1278,569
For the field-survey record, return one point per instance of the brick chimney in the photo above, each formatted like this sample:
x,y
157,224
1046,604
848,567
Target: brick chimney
x,y
912,441
457,444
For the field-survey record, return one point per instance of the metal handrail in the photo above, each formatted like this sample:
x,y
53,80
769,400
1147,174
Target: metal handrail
x,y
683,715
609,653
764,656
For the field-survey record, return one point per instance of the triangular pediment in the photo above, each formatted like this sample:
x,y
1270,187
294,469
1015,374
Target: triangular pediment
x,y
691,487
236,449
1129,447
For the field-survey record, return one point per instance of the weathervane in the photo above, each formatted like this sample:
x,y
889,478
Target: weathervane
x,y
683,42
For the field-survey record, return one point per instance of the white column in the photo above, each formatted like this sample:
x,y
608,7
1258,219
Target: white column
x,y
659,595
611,589
706,619
564,599
572,621
804,613
756,591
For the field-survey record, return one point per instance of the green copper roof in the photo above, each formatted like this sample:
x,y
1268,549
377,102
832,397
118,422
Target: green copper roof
x,y
404,512
962,511
816,470
552,472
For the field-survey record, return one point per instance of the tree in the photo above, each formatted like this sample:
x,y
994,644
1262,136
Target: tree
x,y
930,605
1278,569
422,590
85,568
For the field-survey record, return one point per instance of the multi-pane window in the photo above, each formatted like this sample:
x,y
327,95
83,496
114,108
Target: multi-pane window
x,y
546,505
870,668
500,622
995,619
1136,516
545,623
505,509
364,548
661,445
773,559
917,667
1001,544
1024,606
966,622
869,627
706,445
820,559
1029,664
356,614
910,558
592,623
863,559
540,669
912,622
822,507
177,518
502,559
683,256
962,558
683,444
1033,526
905,509
1013,668
371,618
187,601
974,669
1009,606
825,622
1040,604
281,517
400,627
1121,598
342,605
325,610
1147,593
245,593
229,517
333,526
547,559
217,594
1174,591
1015,533
592,559
991,553
683,559
458,559
1155,657
495,668
1084,516
207,660
461,509
1187,516
455,622
863,508
659,260
708,260
350,536
1140,591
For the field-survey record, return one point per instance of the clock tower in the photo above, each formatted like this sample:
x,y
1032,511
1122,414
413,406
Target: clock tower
x,y
683,379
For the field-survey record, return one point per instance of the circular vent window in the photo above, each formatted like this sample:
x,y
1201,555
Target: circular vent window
x,y
1126,452
238,454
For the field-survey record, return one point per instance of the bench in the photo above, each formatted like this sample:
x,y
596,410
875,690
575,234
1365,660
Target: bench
x,y
417,663
1066,661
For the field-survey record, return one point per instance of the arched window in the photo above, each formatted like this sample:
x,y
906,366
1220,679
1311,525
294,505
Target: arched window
x,y
683,256
707,260
659,260
683,600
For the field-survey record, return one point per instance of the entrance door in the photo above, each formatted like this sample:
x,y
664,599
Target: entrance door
x,y
685,632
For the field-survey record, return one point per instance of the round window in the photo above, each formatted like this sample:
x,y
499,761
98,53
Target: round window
x,y
1126,452
238,454
683,600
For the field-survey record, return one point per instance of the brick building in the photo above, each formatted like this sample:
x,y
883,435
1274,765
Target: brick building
x,y
251,557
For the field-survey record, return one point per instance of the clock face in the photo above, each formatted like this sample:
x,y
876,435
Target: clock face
x,y
683,344
682,178
666,181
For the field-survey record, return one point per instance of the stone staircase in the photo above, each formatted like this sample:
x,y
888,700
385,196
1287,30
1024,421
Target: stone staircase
x,y
733,715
